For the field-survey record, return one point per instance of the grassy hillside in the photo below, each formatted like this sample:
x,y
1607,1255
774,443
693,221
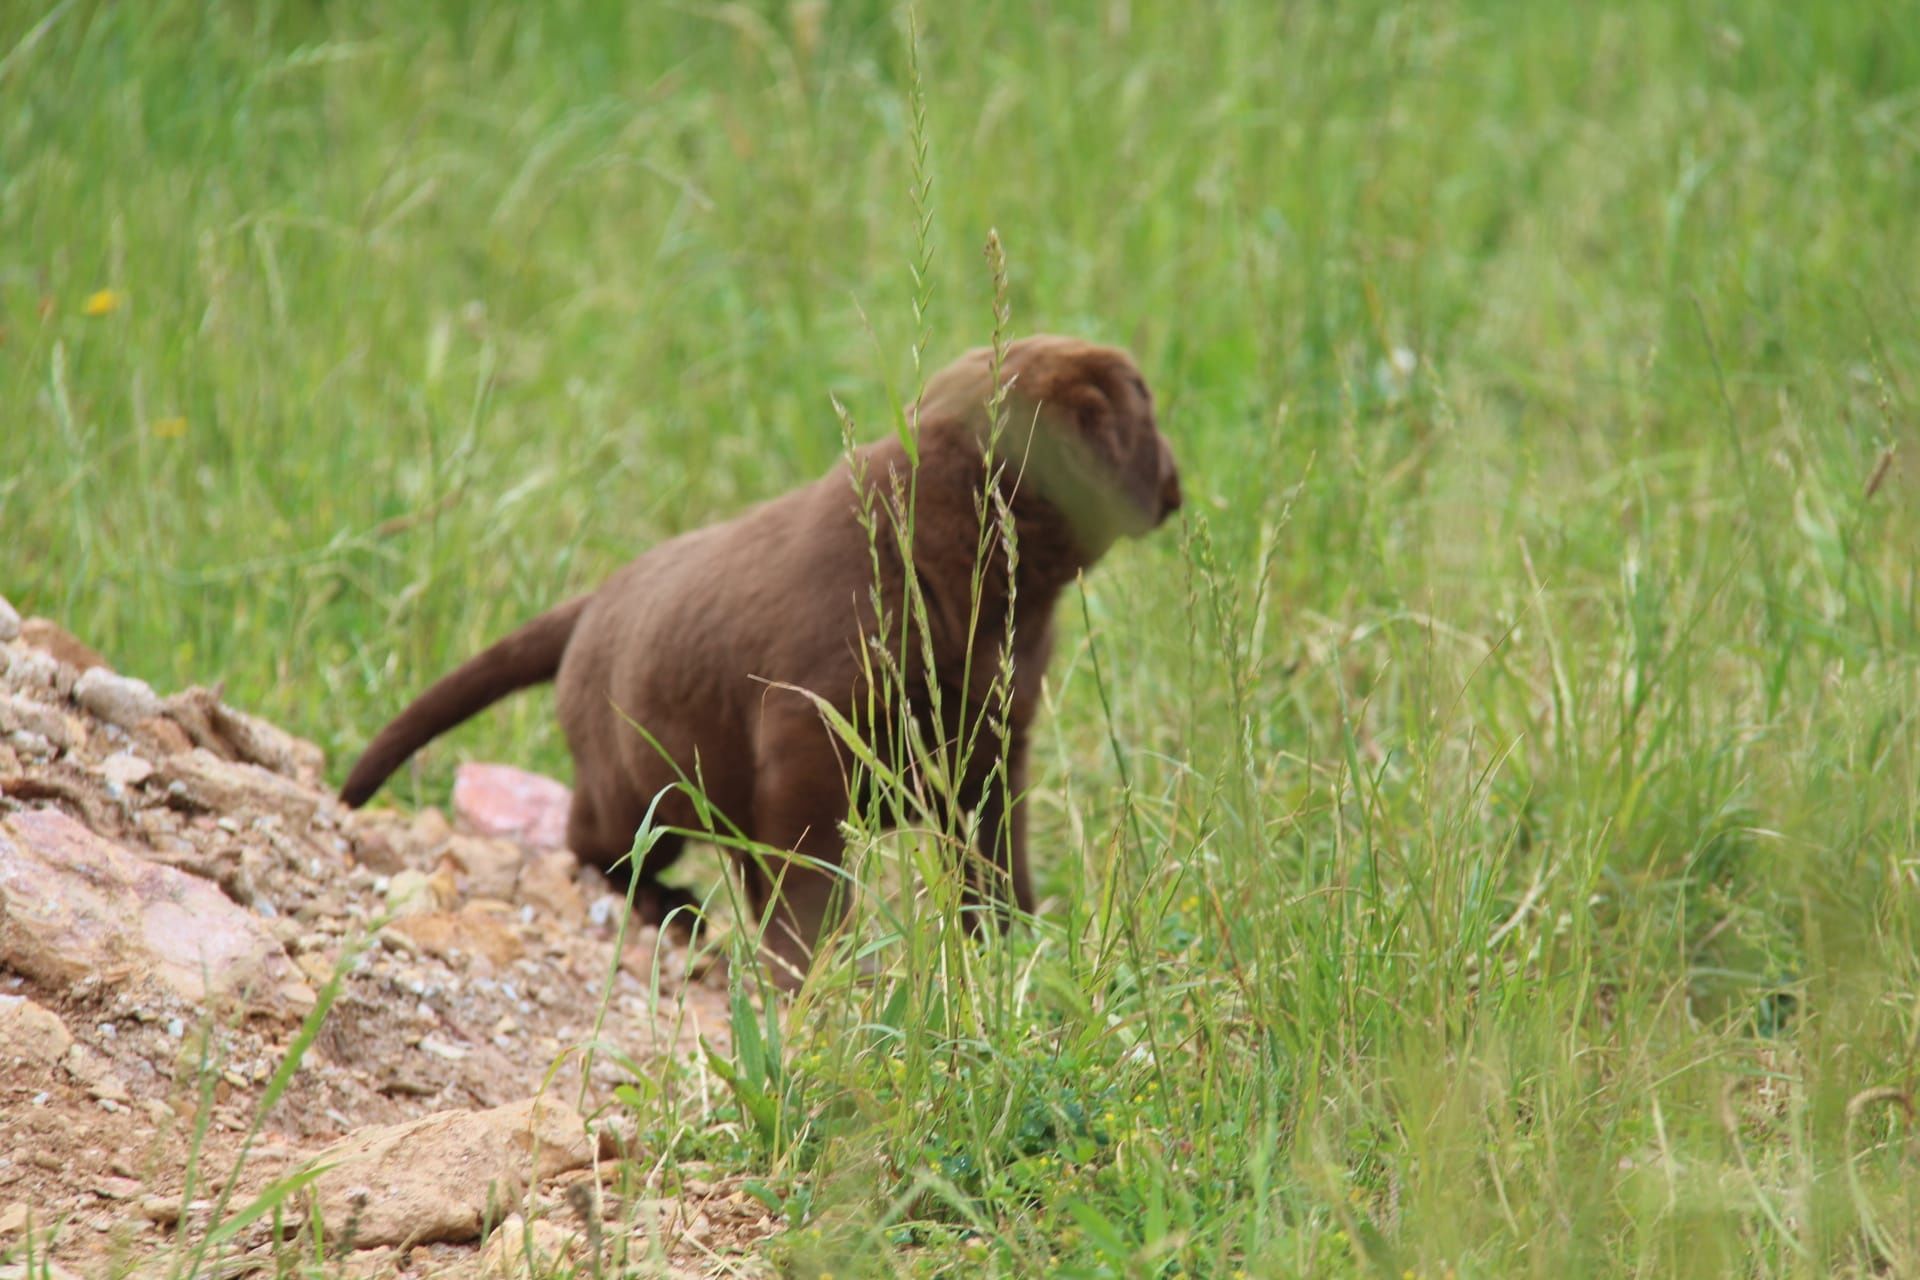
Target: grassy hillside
x,y
1479,837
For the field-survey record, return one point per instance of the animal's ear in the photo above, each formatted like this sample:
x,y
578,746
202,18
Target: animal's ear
x,y
1091,411
1111,413
1105,392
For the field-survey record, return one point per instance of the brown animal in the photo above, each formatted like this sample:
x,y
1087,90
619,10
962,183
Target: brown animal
x,y
708,640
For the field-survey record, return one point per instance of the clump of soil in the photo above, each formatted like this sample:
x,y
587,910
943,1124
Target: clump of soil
x,y
178,887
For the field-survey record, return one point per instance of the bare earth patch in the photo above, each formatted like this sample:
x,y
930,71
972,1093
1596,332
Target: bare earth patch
x,y
178,887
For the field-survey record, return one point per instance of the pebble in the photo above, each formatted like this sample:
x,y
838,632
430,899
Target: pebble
x,y
412,893
443,1049
123,769
30,744
160,1209
316,965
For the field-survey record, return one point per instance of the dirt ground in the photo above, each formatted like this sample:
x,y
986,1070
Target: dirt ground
x,y
177,888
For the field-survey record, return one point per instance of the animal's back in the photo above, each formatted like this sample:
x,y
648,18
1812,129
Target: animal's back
x,y
689,640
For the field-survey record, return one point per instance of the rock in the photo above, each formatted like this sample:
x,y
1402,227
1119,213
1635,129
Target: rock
x,y
429,833
60,644
50,723
547,882
472,933
74,905
235,735
117,699
162,737
31,668
13,1219
499,800
379,839
268,745
508,1248
412,893
160,1210
31,746
228,786
116,1188
96,1074
317,965
641,955
436,1178
124,769
191,711
43,1269
30,1034
487,868
9,621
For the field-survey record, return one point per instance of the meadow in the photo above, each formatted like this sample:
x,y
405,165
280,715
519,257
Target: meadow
x,y
1477,838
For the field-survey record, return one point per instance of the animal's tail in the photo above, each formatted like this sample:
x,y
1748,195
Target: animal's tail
x,y
528,656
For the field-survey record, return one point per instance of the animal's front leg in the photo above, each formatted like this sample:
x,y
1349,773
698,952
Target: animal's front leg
x,y
997,876
799,801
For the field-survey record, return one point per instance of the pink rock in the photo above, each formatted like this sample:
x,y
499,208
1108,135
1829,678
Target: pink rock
x,y
73,905
500,800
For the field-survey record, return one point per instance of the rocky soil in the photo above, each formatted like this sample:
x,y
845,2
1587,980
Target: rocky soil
x,y
177,889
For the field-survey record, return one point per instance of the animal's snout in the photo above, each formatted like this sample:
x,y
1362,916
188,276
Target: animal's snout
x,y
1169,483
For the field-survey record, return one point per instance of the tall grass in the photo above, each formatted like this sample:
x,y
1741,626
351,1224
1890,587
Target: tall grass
x,y
1479,840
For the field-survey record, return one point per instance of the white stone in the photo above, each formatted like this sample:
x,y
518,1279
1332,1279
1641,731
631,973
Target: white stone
x,y
117,699
124,769
28,667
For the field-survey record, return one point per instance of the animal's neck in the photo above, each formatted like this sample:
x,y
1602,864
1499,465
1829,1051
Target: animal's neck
x,y
953,551
1041,561
1047,559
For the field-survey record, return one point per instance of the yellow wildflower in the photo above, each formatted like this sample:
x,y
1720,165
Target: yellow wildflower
x,y
170,428
103,302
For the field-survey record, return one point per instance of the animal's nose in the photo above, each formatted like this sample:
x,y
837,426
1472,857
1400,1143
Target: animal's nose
x,y
1169,496
1169,482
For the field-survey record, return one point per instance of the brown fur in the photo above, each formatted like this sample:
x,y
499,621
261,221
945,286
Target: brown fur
x,y
705,640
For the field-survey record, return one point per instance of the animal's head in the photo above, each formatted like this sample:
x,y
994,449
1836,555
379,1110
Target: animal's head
x,y
1077,427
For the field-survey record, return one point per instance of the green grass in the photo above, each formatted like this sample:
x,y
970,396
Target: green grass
x,y
1518,871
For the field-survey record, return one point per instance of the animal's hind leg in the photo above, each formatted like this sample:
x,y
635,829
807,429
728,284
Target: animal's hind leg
x,y
602,835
